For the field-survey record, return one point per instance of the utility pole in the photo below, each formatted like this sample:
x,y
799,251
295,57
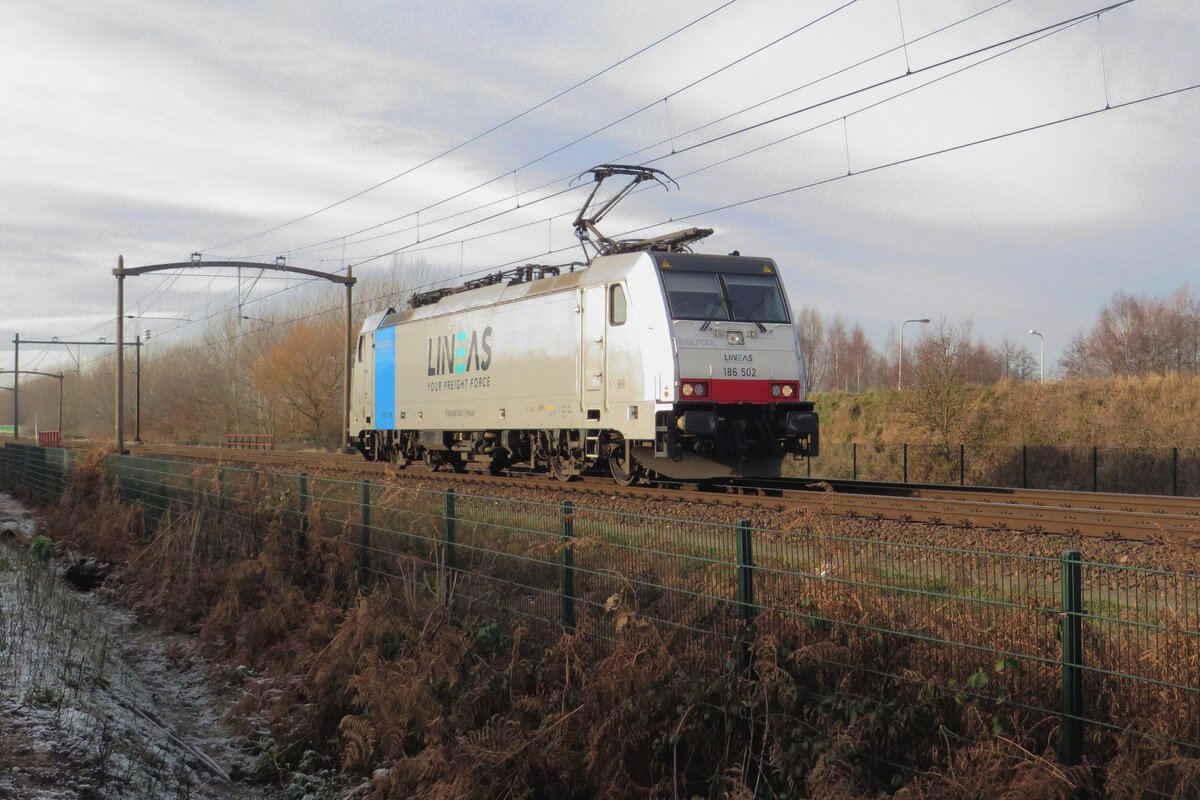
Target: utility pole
x,y
900,377
197,262
17,381
349,358
120,390
137,391
17,386
101,343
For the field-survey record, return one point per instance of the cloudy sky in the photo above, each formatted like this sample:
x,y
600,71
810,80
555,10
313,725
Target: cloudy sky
x,y
806,131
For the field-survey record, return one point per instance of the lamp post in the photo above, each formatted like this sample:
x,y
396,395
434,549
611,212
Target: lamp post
x,y
1042,360
900,377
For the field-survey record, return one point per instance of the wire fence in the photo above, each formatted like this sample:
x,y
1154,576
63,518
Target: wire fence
x,y
1131,470
1100,656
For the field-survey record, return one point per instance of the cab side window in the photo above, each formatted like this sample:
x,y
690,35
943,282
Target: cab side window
x,y
617,312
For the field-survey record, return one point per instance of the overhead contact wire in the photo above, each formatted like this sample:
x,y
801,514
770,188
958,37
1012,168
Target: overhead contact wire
x,y
485,133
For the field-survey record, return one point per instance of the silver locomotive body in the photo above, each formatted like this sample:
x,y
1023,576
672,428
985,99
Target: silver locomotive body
x,y
649,363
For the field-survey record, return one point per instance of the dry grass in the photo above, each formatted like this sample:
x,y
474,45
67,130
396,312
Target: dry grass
x,y
470,702
1135,421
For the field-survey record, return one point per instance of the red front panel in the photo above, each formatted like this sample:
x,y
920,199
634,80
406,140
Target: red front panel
x,y
737,390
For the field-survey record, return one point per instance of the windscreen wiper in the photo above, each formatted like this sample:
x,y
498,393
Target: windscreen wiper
x,y
708,315
761,328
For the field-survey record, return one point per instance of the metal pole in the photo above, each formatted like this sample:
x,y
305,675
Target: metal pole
x,y
17,386
137,394
1070,747
568,563
120,382
1042,362
364,555
900,377
450,548
349,360
745,588
60,403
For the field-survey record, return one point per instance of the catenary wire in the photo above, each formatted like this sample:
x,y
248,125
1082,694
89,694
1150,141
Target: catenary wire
x,y
409,248
745,129
491,130
771,195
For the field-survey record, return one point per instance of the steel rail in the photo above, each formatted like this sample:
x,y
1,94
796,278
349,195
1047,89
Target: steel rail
x,y
1119,517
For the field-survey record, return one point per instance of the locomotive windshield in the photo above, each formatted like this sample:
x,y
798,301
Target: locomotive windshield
x,y
696,295
725,296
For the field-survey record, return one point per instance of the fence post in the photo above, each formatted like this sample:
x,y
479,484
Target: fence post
x,y
906,462
1095,468
1175,470
220,497
745,588
450,551
1070,749
568,562
1024,466
962,465
854,461
303,532
364,535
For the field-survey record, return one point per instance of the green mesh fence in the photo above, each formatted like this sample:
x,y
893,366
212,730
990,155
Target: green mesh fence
x,y
1149,470
1104,653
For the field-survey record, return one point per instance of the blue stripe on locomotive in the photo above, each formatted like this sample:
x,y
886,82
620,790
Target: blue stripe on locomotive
x,y
385,379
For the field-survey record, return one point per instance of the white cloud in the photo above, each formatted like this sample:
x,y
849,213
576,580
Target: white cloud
x,y
155,128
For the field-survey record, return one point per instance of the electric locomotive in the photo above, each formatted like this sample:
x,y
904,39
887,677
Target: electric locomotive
x,y
651,361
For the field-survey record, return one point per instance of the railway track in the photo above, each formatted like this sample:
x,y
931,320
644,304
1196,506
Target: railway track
x,y
1117,517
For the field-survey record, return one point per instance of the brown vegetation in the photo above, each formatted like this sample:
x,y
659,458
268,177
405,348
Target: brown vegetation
x,y
465,700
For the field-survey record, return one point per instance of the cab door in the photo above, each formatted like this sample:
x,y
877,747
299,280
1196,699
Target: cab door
x,y
363,382
593,348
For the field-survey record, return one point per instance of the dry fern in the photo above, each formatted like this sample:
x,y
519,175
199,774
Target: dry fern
x,y
359,738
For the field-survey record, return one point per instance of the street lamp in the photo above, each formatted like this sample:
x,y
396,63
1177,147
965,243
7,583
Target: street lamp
x,y
900,377
1042,361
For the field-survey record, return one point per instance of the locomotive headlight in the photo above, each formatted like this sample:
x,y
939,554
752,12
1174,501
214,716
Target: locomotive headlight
x,y
701,389
788,390
736,337
688,390
776,390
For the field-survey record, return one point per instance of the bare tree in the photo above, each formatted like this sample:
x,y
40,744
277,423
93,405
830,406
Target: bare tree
x,y
814,355
1138,334
940,378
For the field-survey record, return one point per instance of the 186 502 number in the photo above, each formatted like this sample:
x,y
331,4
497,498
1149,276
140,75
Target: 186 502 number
x,y
740,372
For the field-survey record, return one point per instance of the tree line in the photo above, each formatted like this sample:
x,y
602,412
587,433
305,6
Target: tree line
x,y
1138,335
285,377
838,356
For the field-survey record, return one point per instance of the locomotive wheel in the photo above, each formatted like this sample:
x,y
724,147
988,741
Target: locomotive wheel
x,y
623,474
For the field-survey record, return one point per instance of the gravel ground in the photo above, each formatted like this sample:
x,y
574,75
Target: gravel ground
x,y
776,515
